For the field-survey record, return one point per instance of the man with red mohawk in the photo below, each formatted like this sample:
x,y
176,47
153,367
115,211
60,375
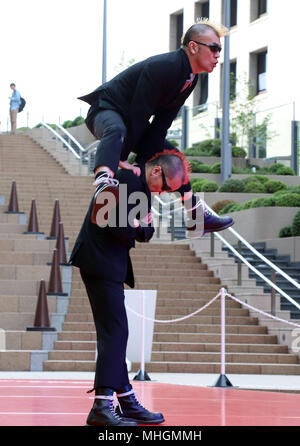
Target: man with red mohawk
x,y
155,88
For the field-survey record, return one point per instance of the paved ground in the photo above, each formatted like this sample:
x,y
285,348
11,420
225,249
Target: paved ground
x,y
264,382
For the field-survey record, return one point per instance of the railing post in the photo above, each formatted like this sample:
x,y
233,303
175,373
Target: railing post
x,y
172,222
223,381
80,162
273,296
212,244
158,221
239,265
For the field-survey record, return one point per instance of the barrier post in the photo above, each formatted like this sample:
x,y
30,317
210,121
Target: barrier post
x,y
223,381
142,374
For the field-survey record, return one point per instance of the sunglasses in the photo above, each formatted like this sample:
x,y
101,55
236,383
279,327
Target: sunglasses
x,y
166,187
214,47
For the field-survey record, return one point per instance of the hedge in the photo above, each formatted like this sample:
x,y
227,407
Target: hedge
x,y
272,186
232,185
254,187
293,230
288,199
296,225
210,186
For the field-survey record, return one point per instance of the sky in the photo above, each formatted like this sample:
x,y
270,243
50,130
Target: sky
x,y
52,50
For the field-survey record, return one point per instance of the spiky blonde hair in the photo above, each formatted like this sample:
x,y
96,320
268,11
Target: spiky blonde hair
x,y
201,26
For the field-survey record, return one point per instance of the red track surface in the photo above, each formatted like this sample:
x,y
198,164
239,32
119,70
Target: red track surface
x,y
66,403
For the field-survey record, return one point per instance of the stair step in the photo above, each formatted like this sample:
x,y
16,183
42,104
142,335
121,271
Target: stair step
x,y
238,368
216,347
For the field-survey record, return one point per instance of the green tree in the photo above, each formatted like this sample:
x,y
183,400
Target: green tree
x,y
244,124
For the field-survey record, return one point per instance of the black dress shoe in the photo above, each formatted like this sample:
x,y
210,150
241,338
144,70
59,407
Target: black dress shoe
x,y
129,408
106,196
103,412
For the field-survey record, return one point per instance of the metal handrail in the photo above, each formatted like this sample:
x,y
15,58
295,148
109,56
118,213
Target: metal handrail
x,y
82,149
262,276
57,135
92,146
267,261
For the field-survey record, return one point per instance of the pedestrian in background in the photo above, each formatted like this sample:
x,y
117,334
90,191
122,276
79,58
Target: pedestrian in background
x,y
15,101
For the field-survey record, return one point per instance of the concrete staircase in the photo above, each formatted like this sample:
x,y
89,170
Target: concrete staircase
x,y
184,282
24,258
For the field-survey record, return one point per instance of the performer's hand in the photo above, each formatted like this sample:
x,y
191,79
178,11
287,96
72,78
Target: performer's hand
x,y
148,219
126,165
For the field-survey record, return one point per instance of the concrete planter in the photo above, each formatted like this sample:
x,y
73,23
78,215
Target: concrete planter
x,y
260,224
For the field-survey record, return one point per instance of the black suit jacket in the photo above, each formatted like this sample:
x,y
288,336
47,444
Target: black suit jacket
x,y
148,88
104,252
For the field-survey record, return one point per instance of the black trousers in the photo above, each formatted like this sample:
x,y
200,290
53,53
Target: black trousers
x,y
109,127
107,302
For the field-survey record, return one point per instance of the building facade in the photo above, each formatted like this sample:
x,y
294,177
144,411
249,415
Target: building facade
x,y
263,61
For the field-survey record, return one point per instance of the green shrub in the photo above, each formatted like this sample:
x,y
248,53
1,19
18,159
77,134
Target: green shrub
x,y
294,189
287,199
261,178
281,169
78,121
232,185
212,147
262,202
254,187
197,185
210,186
173,142
274,185
246,205
231,207
238,152
67,124
295,229
195,165
215,168
286,231
193,151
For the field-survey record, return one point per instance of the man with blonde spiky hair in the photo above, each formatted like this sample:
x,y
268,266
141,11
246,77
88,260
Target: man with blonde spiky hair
x,y
155,88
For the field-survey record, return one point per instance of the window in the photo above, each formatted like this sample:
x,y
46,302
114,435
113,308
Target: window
x,y
232,81
258,71
201,93
261,71
262,7
176,30
233,12
201,9
258,8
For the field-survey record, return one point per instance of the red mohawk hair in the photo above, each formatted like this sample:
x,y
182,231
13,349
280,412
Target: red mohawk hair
x,y
186,164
